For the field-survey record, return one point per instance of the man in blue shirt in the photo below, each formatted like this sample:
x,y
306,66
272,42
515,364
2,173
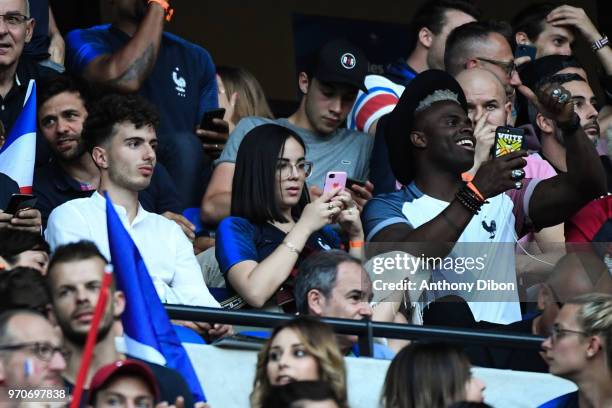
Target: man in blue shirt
x,y
134,54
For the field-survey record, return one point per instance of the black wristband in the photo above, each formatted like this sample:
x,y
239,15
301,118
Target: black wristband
x,y
571,126
469,200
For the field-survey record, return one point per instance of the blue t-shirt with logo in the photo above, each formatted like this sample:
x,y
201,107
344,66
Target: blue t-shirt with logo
x,y
240,240
182,84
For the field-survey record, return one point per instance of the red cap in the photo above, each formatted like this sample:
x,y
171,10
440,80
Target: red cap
x,y
119,368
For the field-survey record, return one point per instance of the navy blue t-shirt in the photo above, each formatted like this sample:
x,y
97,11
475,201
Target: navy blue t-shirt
x,y
182,84
8,187
239,240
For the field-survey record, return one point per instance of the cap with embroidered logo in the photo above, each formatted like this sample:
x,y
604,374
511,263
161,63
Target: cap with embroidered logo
x,y
340,61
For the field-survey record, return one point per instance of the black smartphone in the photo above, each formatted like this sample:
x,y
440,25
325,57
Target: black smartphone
x,y
207,120
351,181
525,50
508,140
20,202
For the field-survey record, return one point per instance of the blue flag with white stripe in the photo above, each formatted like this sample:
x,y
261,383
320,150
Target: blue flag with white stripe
x,y
148,332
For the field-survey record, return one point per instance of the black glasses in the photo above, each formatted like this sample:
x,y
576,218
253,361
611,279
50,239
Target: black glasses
x,y
14,19
558,333
508,67
44,351
285,168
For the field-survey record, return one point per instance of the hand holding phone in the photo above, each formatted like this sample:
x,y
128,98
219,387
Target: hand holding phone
x,y
20,202
207,122
508,140
525,50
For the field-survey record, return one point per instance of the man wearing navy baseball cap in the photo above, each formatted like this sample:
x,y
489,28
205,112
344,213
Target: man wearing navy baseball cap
x,y
431,144
329,84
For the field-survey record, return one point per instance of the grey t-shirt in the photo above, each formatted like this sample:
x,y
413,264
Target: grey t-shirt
x,y
343,150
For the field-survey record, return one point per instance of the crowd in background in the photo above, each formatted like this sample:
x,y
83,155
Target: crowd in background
x,y
233,208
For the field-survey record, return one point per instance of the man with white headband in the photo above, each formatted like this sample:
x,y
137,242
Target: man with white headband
x,y
431,144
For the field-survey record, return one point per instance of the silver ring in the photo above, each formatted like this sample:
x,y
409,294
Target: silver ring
x,y
350,211
518,185
563,98
517,174
556,92
330,206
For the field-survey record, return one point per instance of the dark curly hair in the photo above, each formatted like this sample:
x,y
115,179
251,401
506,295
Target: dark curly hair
x,y
113,109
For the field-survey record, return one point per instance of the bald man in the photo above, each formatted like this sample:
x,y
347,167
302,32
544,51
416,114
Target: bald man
x,y
488,108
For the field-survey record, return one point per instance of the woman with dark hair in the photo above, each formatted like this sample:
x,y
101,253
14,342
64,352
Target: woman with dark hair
x,y
272,226
430,375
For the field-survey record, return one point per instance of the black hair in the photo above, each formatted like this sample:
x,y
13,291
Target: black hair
x,y
285,396
14,242
255,178
76,251
530,20
113,109
559,79
23,288
432,15
461,41
319,272
58,84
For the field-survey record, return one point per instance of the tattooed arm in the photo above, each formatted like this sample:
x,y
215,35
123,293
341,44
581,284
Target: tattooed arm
x,y
126,69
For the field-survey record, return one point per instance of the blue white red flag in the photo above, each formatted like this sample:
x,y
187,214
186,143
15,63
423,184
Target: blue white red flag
x,y
148,333
18,153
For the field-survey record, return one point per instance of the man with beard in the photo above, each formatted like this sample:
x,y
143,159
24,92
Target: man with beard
x,y
553,148
74,281
62,110
120,135
134,54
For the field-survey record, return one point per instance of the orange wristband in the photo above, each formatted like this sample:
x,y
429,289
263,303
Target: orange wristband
x,y
356,244
472,187
166,7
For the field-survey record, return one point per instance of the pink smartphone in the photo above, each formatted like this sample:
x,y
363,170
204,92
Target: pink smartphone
x,y
334,180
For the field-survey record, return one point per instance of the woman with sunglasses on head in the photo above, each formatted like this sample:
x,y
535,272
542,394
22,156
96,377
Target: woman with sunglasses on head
x,y
579,349
273,226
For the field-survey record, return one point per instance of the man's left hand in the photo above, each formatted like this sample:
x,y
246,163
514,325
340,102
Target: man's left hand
x,y
553,101
361,195
187,227
574,17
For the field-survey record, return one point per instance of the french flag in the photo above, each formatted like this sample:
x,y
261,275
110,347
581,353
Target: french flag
x,y
18,154
148,333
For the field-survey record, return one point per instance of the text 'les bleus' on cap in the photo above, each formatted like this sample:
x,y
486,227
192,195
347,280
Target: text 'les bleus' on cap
x,y
340,61
426,88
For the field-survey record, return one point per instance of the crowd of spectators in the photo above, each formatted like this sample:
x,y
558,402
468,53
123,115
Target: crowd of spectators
x,y
236,212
